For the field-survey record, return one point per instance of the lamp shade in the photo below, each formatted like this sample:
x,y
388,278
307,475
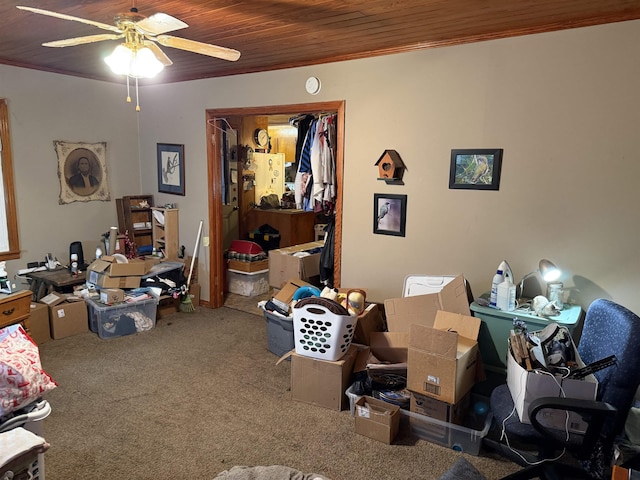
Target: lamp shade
x,y
549,271
134,62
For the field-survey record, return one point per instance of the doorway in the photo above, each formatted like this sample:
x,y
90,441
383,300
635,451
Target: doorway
x,y
237,119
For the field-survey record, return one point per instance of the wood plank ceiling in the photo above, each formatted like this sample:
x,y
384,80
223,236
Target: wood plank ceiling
x,y
279,34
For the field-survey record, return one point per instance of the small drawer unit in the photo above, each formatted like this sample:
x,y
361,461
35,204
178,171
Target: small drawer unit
x,y
15,308
110,321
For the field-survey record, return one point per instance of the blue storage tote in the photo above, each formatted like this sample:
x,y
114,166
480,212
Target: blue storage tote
x,y
110,321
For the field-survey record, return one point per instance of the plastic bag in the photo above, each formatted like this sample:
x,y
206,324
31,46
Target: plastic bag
x,y
22,379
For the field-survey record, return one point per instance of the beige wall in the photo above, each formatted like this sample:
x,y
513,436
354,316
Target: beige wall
x,y
565,107
44,107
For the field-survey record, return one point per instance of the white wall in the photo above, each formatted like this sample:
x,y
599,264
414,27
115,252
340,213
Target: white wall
x,y
565,107
44,107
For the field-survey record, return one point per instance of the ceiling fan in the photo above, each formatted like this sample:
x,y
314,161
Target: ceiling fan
x,y
139,55
140,31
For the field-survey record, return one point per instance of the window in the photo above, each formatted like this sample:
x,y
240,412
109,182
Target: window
x,y
9,242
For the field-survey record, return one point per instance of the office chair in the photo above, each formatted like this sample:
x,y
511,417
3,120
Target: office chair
x,y
609,329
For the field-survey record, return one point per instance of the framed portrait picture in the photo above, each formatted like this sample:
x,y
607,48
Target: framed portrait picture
x,y
389,214
475,169
171,168
82,171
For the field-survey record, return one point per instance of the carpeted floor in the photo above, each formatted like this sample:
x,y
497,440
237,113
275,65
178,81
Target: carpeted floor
x,y
201,393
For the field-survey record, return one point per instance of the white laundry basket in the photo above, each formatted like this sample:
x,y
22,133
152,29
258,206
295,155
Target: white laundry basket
x,y
319,331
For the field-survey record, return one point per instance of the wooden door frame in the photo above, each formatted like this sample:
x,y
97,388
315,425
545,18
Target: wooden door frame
x,y
214,178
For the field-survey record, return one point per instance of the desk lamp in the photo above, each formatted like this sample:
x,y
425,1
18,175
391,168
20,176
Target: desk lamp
x,y
547,270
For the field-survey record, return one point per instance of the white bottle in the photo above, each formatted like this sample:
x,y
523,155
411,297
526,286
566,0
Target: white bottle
x,y
506,296
74,264
498,278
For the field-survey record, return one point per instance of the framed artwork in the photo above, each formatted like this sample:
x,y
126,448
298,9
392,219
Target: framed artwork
x,y
475,169
82,171
389,214
171,168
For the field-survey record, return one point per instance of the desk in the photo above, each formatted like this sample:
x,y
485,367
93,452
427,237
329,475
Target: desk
x,y
58,280
295,226
496,325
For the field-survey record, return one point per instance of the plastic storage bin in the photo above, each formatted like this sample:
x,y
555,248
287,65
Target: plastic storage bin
x,y
353,398
110,321
320,333
279,333
248,284
458,437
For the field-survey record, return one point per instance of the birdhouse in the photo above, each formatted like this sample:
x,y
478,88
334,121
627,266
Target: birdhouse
x,y
390,167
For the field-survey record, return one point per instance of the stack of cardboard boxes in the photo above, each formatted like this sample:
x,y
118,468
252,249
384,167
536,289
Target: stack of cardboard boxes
x,y
59,315
430,338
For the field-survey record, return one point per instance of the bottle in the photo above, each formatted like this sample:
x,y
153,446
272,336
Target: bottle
x,y
74,264
506,296
498,278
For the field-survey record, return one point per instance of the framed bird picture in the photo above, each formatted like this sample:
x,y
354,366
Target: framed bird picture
x,y
170,168
389,214
475,169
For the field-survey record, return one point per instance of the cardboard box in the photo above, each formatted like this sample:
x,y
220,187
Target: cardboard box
x,y
447,412
377,419
54,298
242,266
39,329
194,292
390,347
283,265
68,318
105,281
402,312
320,382
442,359
525,386
368,321
111,295
109,266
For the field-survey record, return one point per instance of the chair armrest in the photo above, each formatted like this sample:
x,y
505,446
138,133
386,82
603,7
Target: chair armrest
x,y
598,413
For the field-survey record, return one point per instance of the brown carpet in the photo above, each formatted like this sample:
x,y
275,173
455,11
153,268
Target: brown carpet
x,y
199,394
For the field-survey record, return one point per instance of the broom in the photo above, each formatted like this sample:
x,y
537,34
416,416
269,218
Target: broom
x,y
186,305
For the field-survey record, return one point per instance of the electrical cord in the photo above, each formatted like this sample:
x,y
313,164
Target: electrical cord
x,y
503,433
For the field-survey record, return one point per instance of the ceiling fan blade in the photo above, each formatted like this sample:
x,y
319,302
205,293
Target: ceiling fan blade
x,y
157,51
160,23
70,42
104,26
198,47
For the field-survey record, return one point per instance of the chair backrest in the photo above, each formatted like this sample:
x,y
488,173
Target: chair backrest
x,y
611,329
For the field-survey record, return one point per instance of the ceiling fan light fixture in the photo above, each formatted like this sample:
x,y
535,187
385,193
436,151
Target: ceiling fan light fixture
x,y
134,62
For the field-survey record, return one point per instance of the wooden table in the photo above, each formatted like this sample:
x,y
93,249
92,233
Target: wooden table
x,y
58,280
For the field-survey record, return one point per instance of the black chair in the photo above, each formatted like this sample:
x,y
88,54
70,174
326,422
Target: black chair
x,y
609,329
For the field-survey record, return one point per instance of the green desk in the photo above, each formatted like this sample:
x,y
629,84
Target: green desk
x,y
496,325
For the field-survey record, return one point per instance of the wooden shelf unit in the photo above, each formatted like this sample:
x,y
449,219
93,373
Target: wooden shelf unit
x,y
136,219
165,235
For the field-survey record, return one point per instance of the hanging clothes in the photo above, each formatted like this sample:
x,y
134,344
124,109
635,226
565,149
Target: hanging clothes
x,y
316,175
303,176
327,255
